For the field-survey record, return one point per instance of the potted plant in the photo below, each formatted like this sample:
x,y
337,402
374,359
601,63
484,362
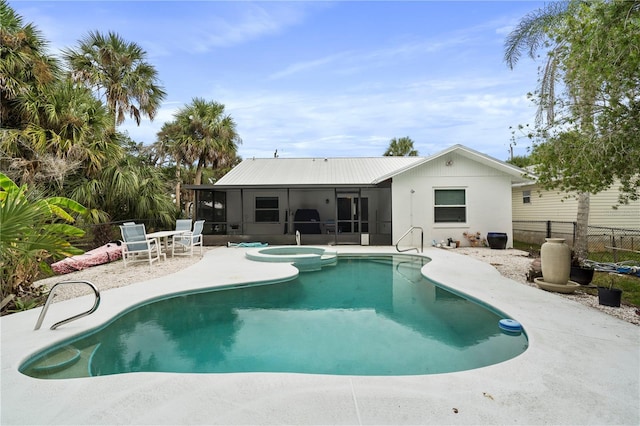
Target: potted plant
x,y
497,240
580,272
609,296
475,239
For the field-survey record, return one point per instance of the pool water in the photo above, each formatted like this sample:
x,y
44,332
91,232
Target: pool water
x,y
363,316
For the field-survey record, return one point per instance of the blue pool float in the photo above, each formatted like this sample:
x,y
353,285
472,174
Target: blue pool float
x,y
510,325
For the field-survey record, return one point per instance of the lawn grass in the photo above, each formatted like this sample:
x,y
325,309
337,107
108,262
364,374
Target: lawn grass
x,y
533,249
630,284
622,256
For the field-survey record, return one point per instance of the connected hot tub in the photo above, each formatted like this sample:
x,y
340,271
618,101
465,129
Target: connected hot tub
x,y
305,258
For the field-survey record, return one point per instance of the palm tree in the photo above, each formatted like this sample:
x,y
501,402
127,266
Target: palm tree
x,y
128,189
171,146
119,71
50,127
205,135
69,131
533,33
401,147
25,68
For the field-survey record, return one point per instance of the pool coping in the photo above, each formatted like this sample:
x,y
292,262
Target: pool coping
x,y
582,366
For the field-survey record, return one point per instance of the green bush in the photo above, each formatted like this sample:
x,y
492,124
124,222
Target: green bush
x,y
32,232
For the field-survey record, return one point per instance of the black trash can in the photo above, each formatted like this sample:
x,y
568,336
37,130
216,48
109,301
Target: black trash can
x,y
497,240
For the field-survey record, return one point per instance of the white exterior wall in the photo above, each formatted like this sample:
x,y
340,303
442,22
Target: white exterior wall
x,y
555,206
488,200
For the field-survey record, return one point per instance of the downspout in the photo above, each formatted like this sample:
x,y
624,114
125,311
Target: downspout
x,y
288,213
360,215
335,216
244,230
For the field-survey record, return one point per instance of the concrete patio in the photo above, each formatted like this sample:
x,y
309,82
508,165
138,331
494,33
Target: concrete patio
x,y
582,366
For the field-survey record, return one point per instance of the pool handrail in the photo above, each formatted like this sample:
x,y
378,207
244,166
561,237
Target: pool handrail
x,y
45,308
412,248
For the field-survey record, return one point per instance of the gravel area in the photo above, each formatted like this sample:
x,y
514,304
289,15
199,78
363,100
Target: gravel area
x,y
113,275
511,263
514,264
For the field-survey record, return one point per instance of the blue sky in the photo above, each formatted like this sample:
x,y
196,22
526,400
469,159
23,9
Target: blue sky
x,y
324,79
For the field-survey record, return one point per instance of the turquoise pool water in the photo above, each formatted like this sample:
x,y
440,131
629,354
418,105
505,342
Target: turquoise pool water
x,y
363,316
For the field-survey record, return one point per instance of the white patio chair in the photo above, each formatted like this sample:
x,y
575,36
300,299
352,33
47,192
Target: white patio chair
x,y
136,247
183,224
186,241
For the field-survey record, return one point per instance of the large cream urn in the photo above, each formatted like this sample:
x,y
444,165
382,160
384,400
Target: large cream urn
x,y
555,257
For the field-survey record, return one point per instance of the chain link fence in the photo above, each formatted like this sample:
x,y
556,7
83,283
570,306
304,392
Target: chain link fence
x,y
605,244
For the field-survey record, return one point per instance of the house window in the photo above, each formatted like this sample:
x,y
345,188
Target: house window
x,y
267,209
450,206
526,197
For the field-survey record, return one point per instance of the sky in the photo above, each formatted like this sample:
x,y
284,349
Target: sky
x,y
323,79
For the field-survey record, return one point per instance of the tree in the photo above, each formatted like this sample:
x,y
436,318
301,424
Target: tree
x,y
50,128
127,189
203,135
521,161
25,67
589,135
69,131
58,137
401,147
595,143
171,147
118,70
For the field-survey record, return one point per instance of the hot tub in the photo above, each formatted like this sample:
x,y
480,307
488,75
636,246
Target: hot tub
x,y
304,258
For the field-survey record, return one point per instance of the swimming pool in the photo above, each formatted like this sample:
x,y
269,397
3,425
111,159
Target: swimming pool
x,y
372,315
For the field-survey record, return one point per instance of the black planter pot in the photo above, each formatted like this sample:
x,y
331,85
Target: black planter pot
x,y
582,276
497,240
609,296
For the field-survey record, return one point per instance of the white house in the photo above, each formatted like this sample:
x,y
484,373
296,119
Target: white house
x,y
360,200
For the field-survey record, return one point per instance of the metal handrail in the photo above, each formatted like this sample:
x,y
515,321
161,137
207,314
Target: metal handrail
x,y
75,317
412,248
422,261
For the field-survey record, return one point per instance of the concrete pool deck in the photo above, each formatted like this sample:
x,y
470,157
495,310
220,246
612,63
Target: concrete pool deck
x,y
582,366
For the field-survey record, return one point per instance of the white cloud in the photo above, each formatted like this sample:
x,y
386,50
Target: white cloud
x,y
247,22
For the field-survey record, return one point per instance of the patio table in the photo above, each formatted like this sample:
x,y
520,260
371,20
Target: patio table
x,y
164,236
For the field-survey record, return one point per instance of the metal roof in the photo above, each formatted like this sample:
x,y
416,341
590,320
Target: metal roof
x,y
341,172
314,171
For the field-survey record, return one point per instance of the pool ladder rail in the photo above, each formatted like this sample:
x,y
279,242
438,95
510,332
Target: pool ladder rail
x,y
412,248
45,308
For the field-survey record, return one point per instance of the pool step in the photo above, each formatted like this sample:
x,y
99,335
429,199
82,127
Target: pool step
x,y
59,360
329,258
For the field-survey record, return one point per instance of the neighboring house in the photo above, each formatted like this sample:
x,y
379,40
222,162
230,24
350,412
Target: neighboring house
x,y
360,200
532,206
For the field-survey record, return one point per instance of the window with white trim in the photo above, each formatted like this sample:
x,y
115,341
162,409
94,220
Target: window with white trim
x,y
526,197
267,209
450,206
